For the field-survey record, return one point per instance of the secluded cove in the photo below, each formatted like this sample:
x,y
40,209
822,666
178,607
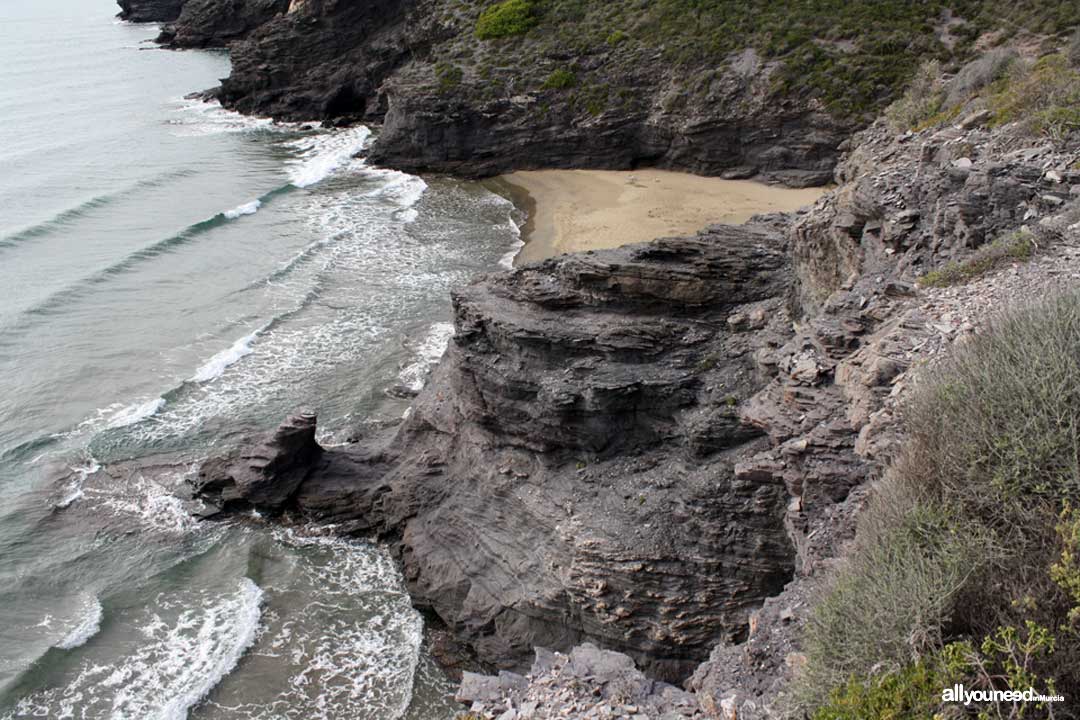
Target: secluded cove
x,y
576,210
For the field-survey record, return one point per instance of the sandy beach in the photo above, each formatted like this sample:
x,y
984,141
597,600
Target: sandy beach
x,y
576,210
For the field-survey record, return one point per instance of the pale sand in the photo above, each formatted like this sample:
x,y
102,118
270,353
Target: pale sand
x,y
576,210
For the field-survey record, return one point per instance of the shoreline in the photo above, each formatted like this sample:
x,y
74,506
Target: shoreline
x,y
580,210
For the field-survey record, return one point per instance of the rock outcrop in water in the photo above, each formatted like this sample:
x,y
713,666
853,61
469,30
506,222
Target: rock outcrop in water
x,y
150,10
570,474
266,475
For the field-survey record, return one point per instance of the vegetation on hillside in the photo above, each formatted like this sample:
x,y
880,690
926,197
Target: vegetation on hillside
x,y
1018,247
1042,96
505,19
853,55
967,559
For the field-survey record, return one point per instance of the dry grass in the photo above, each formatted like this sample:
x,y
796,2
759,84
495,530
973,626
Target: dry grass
x,y
961,545
1018,247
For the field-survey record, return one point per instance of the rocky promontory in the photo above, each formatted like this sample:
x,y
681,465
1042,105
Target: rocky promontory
x,y
447,103
658,450
661,448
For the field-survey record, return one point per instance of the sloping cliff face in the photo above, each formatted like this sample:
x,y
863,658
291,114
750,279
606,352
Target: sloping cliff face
x,y
570,474
639,447
217,23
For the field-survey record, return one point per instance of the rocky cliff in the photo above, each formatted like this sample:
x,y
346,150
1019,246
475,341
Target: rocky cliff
x,y
150,10
217,23
661,448
449,103
571,473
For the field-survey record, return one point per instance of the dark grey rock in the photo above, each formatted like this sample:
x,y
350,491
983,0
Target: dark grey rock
x,y
150,10
265,475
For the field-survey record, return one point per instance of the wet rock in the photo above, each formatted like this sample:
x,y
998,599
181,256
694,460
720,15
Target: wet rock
x,y
265,475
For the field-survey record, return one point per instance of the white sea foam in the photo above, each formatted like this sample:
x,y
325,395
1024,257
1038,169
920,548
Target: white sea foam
x,y
178,663
202,117
428,353
150,503
187,660
73,491
401,189
507,260
216,366
351,651
88,626
320,155
137,412
246,209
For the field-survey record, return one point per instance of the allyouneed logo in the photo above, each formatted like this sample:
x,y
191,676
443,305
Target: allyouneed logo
x,y
958,694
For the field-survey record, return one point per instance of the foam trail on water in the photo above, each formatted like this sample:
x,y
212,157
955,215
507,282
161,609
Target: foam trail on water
x,y
401,189
136,413
208,117
74,490
246,209
175,666
200,650
322,155
428,353
507,260
216,366
88,627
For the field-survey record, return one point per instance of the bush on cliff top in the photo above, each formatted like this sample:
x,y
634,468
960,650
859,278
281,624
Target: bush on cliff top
x,y
505,19
970,547
1043,97
853,55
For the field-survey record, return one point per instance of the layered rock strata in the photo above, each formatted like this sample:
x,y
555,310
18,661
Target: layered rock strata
x,y
640,447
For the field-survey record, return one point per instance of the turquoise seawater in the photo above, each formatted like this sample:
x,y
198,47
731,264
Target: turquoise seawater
x,y
174,277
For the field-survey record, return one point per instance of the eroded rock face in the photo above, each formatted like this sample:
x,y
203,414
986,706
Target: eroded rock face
x,y
400,62
150,10
735,131
217,23
569,474
266,475
320,60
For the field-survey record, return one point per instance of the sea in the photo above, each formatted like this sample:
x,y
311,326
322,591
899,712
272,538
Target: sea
x,y
174,279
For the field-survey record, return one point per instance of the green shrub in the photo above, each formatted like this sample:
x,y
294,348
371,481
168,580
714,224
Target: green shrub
x,y
1018,247
1044,98
1000,420
977,75
449,76
968,553
560,80
507,18
913,692
886,609
922,100
617,38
